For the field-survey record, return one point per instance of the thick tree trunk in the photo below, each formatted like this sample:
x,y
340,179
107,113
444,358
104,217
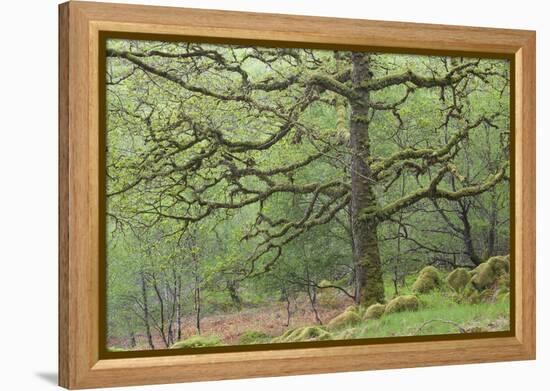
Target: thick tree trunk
x,y
369,282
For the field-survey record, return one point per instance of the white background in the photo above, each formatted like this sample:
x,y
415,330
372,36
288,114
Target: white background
x,y
28,194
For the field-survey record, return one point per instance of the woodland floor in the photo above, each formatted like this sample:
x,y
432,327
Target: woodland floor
x,y
271,319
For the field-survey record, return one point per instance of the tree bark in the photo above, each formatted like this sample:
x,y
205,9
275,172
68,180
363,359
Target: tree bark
x,y
369,282
146,311
492,235
197,299
161,325
179,312
467,232
232,287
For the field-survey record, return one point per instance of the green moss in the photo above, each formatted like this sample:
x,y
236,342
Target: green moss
x,y
198,341
488,273
503,282
427,280
402,303
345,319
352,308
302,334
483,277
250,337
375,311
312,333
116,349
500,264
458,279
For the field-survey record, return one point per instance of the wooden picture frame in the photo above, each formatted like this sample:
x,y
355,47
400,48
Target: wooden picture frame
x,y
81,363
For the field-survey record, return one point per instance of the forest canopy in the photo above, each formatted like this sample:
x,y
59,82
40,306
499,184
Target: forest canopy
x,y
243,175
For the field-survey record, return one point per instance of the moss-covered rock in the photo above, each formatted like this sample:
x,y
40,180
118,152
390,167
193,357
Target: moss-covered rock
x,y
345,319
483,277
472,295
469,295
503,282
375,311
487,274
428,279
312,333
500,264
458,279
350,333
250,337
302,334
198,341
116,349
402,303
352,308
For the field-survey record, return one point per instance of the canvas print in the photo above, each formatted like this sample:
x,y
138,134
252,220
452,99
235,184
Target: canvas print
x,y
279,195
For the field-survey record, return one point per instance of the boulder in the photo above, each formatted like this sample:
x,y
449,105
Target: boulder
x,y
345,319
428,279
352,308
488,273
250,337
375,311
483,276
500,264
302,334
198,341
458,279
402,303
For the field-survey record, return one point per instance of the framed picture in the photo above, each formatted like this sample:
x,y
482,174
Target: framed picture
x,y
247,195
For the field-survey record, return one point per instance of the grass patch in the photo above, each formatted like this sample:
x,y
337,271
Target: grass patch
x,y
436,306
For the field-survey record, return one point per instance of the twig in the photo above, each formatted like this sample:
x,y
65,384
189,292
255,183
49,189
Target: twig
x,y
457,325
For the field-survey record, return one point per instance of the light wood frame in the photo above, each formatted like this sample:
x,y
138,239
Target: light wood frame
x,y
80,365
